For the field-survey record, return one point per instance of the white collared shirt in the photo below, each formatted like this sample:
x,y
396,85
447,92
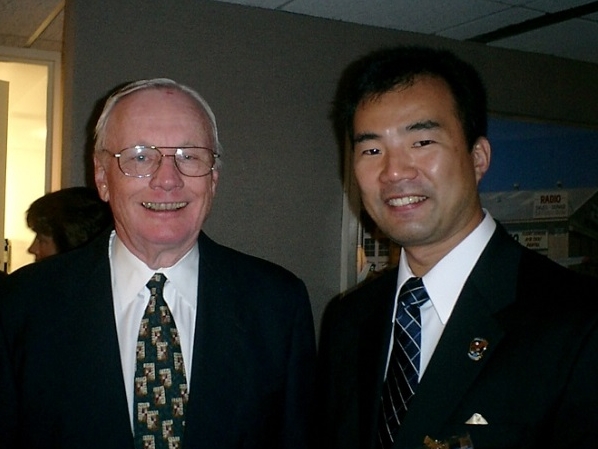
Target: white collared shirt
x,y
444,283
130,296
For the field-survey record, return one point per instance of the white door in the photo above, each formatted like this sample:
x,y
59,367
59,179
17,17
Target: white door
x,y
3,145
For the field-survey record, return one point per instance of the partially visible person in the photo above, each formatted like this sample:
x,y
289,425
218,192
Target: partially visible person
x,y
472,334
66,219
154,335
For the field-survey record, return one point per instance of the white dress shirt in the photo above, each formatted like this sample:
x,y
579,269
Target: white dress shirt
x,y
130,296
444,283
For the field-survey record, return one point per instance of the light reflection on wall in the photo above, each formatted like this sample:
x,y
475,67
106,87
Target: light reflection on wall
x,y
26,155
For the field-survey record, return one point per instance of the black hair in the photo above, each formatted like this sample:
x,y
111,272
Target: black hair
x,y
71,216
390,68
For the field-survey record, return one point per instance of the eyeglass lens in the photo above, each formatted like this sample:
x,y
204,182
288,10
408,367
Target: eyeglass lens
x,y
141,161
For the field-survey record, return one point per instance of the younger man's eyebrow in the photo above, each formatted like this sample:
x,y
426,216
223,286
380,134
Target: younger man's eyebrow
x,y
363,137
427,124
417,126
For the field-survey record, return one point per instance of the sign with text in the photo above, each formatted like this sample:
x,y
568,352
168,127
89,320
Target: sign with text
x,y
536,240
551,205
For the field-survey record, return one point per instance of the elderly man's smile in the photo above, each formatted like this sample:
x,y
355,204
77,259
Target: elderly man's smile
x,y
164,206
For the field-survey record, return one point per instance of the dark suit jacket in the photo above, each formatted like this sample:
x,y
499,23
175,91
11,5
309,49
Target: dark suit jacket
x,y
536,385
61,379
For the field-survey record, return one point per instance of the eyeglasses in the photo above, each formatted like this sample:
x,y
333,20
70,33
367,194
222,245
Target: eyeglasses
x,y
143,161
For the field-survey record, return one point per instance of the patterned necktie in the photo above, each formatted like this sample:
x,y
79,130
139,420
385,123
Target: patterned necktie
x,y
160,383
403,368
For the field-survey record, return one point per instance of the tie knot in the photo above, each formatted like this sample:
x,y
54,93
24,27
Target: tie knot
x,y
413,292
156,283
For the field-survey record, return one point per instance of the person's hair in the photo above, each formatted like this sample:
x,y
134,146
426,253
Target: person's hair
x,y
71,216
155,83
388,69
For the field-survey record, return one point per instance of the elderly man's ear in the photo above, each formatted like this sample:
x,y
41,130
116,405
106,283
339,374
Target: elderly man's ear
x,y
100,179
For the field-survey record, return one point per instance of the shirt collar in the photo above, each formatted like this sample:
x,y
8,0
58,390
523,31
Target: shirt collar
x,y
129,274
445,280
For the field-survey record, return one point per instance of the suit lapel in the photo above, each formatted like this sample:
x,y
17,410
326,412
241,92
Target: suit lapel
x,y
218,348
97,353
451,372
374,340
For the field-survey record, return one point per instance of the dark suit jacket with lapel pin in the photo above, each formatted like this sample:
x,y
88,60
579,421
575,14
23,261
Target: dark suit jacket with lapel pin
x,y
61,382
535,385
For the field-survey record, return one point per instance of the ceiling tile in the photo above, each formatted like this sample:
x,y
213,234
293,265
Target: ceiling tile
x,y
553,6
487,23
268,4
423,16
574,39
455,19
25,16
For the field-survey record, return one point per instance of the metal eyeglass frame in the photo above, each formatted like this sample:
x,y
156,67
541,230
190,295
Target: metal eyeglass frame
x,y
162,155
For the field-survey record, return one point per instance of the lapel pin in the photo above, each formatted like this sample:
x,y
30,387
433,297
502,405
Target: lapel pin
x,y
477,347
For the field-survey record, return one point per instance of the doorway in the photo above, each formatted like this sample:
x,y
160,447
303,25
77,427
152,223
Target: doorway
x,y
32,143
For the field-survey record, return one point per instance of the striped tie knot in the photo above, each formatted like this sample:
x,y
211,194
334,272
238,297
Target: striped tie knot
x,y
413,292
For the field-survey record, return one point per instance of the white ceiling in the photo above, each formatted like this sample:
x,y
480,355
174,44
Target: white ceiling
x,y
21,21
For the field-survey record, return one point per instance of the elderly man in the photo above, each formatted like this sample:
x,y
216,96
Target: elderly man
x,y
154,336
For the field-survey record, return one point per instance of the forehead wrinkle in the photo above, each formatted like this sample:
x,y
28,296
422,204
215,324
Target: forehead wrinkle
x,y
136,104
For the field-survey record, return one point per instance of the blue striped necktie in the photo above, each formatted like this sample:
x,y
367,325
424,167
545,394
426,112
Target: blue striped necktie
x,y
403,368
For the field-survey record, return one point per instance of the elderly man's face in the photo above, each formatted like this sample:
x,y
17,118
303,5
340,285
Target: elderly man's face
x,y
162,213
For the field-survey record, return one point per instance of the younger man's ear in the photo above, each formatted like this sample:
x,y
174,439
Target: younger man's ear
x,y
480,154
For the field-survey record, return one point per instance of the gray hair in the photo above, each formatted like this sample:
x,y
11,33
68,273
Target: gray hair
x,y
155,83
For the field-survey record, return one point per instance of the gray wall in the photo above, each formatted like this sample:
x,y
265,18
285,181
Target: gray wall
x,y
270,77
